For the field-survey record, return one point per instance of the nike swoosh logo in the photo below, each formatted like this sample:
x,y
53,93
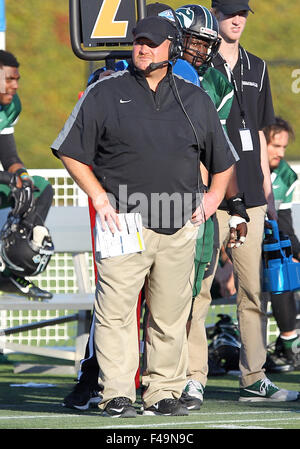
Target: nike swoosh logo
x,y
124,101
256,392
275,187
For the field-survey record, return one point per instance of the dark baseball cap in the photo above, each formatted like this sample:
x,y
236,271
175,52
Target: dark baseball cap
x,y
154,9
231,6
164,11
155,28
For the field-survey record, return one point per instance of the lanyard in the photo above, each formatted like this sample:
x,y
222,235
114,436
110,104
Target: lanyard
x,y
232,79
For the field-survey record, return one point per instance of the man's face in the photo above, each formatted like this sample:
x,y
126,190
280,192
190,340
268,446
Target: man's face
x,y
10,83
232,26
145,52
276,148
195,50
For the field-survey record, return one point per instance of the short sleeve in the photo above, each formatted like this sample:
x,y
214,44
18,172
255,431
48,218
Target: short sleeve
x,y
78,138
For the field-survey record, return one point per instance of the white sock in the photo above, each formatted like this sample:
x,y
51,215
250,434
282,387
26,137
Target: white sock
x,y
289,337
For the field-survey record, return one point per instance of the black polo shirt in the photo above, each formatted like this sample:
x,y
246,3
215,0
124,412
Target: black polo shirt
x,y
259,112
142,147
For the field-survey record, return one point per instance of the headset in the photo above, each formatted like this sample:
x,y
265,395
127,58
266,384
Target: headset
x,y
176,45
166,12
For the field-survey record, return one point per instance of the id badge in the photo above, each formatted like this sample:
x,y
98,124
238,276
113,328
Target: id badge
x,y
246,139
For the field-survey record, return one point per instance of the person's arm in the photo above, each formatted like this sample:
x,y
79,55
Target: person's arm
x,y
224,275
267,184
237,210
217,191
10,159
238,225
8,151
213,198
87,181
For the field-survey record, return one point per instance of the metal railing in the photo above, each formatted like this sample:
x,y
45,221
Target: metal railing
x,y
59,277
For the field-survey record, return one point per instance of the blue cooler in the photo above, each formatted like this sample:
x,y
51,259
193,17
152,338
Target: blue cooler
x,y
280,273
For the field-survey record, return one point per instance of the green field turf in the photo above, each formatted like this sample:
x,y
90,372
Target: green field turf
x,y
40,408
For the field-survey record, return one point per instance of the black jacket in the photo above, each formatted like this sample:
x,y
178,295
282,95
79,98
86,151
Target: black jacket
x,y
146,141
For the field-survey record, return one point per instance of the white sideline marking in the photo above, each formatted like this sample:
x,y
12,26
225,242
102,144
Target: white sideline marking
x,y
231,426
205,423
194,413
210,424
246,413
39,416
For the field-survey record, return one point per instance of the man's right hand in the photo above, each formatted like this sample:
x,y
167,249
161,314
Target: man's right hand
x,y
107,214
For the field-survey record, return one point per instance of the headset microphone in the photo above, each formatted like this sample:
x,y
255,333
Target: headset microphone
x,y
155,66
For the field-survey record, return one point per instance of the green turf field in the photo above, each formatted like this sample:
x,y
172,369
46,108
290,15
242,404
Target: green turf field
x,y
40,408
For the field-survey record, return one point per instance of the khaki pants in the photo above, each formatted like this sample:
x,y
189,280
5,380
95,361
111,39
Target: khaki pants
x,y
168,262
251,303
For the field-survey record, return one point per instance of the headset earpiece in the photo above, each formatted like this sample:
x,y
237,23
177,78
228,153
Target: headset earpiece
x,y
176,46
175,49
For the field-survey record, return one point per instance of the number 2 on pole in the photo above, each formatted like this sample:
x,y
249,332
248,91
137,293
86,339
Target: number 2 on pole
x,y
105,25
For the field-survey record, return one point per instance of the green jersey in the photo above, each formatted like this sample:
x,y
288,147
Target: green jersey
x,y
220,90
283,183
212,81
9,115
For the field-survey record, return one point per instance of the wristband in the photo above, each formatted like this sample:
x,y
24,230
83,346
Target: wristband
x,y
22,173
236,206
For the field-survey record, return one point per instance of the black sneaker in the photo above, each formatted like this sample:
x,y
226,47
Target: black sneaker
x,y
119,408
192,395
277,364
289,350
190,402
82,397
167,407
27,288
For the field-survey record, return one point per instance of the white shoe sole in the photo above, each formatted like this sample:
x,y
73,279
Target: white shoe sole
x,y
149,413
127,414
152,413
93,402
